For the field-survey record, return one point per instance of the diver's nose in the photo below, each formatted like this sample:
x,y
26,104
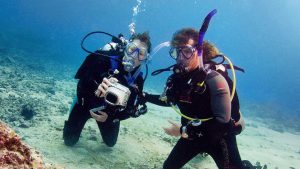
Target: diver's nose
x,y
180,57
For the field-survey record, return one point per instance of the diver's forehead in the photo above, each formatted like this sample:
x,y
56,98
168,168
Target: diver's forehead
x,y
139,43
190,42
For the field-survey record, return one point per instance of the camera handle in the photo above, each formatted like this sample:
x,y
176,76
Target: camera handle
x,y
136,112
141,101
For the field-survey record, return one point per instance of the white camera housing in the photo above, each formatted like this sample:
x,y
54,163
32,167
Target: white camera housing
x,y
117,95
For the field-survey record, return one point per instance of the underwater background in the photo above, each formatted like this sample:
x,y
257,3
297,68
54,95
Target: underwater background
x,y
40,53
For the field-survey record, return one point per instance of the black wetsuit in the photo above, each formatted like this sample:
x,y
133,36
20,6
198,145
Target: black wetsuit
x,y
90,75
214,136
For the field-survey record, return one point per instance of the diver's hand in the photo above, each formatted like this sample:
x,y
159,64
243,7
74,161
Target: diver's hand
x,y
102,88
101,117
173,130
142,98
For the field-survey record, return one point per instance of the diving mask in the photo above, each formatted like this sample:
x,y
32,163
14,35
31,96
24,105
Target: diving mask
x,y
134,51
184,51
134,55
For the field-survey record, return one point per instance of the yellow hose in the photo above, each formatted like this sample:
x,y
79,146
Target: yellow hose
x,y
187,117
233,77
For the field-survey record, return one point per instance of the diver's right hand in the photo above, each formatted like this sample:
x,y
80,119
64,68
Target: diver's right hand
x,y
102,88
173,130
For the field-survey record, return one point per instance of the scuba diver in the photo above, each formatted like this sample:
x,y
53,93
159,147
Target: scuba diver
x,y
109,87
202,96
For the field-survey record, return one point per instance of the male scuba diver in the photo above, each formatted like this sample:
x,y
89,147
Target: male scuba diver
x,y
203,99
201,95
109,88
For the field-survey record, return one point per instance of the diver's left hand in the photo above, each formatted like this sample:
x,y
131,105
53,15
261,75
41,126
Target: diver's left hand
x,y
173,130
101,117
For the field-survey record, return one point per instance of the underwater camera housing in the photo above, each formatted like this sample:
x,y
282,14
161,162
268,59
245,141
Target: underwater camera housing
x,y
117,95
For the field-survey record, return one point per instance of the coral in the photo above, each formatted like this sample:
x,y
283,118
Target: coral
x,y
14,153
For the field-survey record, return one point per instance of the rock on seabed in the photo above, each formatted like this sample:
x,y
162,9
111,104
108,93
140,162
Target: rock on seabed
x,y
14,153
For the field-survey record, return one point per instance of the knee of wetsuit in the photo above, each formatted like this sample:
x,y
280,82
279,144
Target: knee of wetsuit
x,y
168,165
165,165
70,135
110,143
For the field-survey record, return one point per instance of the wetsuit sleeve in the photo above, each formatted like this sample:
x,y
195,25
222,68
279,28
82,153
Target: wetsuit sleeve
x,y
220,98
154,99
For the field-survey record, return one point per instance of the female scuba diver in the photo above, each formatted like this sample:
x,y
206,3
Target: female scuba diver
x,y
109,88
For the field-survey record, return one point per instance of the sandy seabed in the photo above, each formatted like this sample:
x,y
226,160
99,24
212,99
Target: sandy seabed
x,y
48,92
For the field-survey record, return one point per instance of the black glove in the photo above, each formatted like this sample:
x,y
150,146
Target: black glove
x,y
140,111
142,98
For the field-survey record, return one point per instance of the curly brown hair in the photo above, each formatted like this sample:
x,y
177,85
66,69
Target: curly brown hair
x,y
182,36
143,37
209,51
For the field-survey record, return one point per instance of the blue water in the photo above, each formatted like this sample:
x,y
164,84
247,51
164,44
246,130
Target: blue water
x,y
260,36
